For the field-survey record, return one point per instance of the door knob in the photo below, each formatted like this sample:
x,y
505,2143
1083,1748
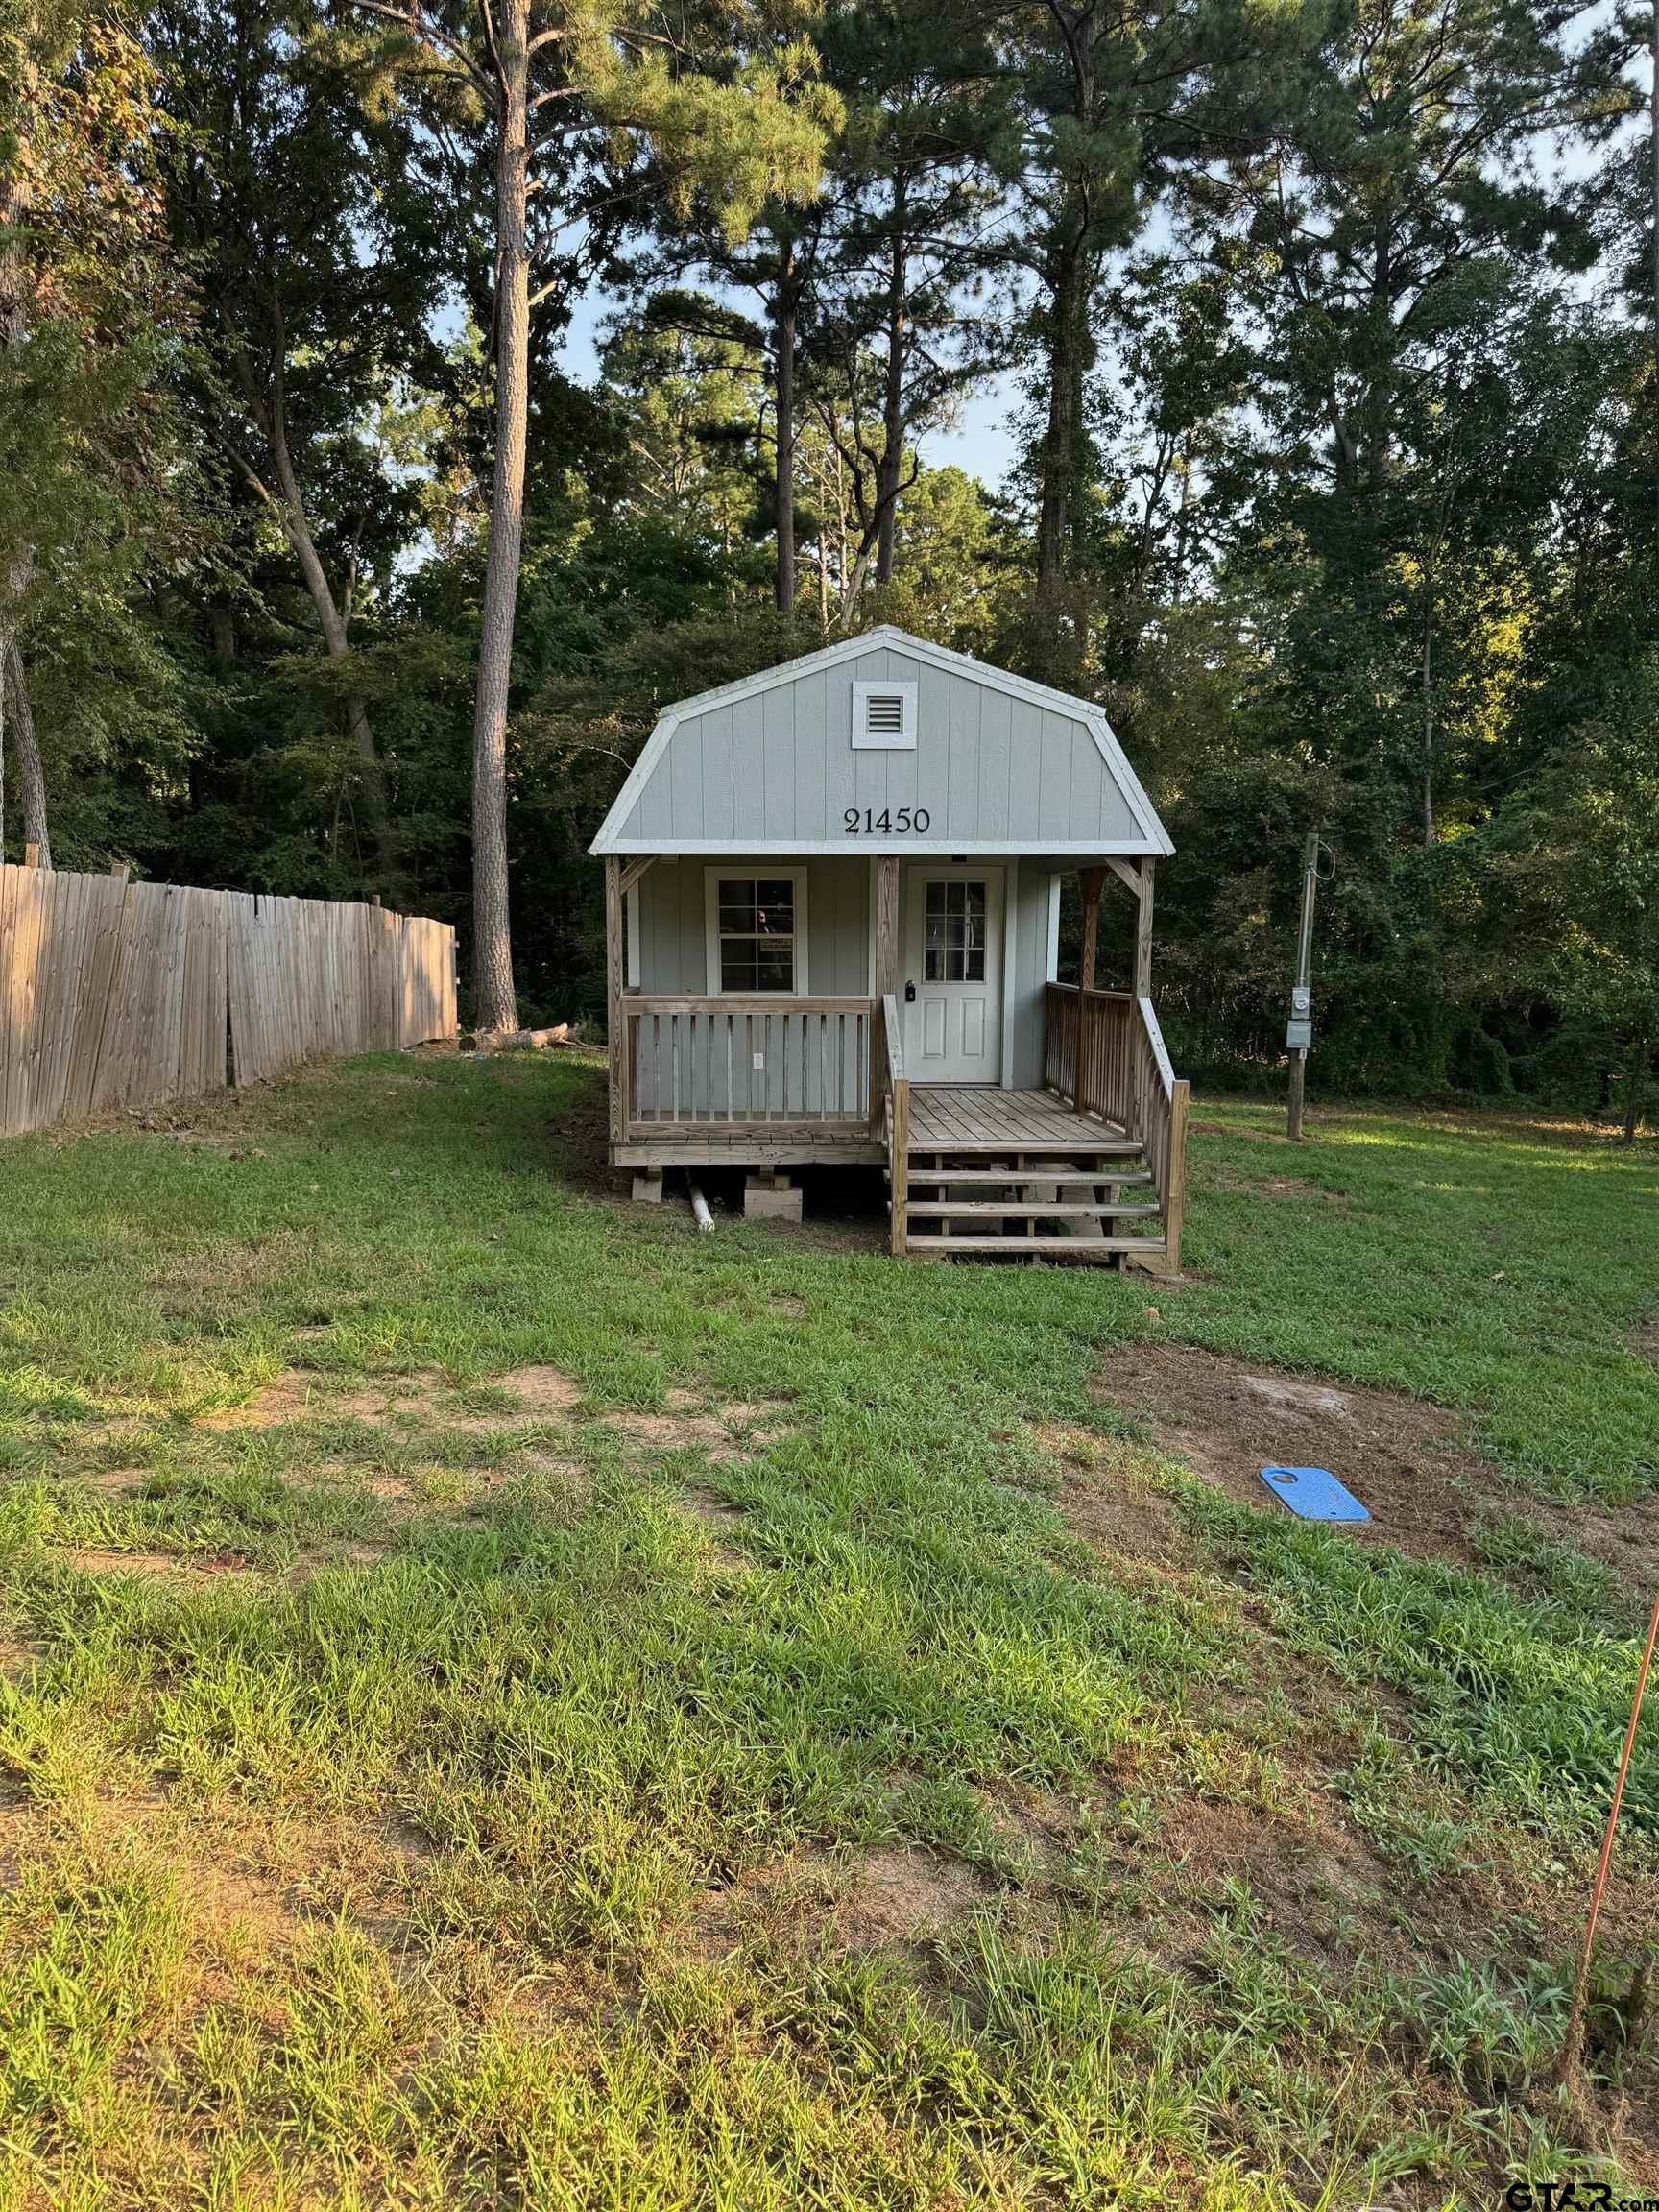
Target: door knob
x,y
910,994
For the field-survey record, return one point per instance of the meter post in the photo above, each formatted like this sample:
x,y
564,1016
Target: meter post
x,y
1299,1033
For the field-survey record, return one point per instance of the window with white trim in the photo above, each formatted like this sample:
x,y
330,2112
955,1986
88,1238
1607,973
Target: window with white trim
x,y
757,934
884,717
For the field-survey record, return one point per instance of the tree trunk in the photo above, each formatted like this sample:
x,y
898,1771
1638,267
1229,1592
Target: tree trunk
x,y
1427,811
15,201
297,524
495,1000
1636,1086
893,396
1060,458
30,776
783,377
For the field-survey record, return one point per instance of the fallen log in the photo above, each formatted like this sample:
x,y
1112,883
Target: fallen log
x,y
519,1040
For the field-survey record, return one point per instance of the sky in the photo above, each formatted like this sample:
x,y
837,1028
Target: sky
x,y
982,438
981,442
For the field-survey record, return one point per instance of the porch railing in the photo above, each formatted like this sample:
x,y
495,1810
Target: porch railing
x,y
896,1082
757,1062
1104,1051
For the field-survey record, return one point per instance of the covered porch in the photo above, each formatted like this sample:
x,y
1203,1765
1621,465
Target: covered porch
x,y
1090,1166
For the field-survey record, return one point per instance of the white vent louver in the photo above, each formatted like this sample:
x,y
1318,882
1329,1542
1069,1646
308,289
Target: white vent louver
x,y
884,717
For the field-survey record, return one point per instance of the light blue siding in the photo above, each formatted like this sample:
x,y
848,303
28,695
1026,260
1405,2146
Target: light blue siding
x,y
671,910
1029,894
779,767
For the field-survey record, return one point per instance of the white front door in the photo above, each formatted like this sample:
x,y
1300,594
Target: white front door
x,y
953,962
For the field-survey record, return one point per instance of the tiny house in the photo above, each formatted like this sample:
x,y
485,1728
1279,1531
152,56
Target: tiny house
x,y
832,914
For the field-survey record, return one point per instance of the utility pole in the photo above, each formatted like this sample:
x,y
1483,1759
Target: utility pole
x,y
1299,1031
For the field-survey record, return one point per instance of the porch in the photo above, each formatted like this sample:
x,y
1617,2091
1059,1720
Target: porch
x,y
1088,1166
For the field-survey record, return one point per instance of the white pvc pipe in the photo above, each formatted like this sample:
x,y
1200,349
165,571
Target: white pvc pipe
x,y
700,1206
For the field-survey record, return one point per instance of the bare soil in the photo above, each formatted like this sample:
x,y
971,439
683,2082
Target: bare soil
x,y
1406,1460
813,1900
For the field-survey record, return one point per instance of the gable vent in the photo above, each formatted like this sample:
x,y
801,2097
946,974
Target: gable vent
x,y
884,717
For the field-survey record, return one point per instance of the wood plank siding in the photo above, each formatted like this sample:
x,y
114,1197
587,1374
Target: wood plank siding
x,y
780,768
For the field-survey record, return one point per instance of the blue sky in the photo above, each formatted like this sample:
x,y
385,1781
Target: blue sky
x,y
981,441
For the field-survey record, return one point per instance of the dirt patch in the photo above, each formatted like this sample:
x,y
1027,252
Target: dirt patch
x,y
1109,1500
812,1898
718,1517
304,1398
787,1309
1644,1339
729,1434
1427,1494
153,1566
538,1394
541,1391
1321,1886
815,1900
114,1482
1399,1456
1039,1824
900,1896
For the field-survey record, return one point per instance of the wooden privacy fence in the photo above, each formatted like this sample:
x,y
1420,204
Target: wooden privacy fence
x,y
115,994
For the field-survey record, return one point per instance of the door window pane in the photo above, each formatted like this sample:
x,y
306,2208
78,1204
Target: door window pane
x,y
953,949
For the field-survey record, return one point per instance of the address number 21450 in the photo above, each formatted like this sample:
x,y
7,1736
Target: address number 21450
x,y
891,822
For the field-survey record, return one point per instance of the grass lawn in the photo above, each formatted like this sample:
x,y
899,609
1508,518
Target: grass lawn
x,y
506,1701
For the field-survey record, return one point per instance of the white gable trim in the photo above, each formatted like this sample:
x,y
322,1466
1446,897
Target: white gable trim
x,y
1156,838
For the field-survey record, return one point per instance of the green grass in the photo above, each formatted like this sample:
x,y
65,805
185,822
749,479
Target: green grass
x,y
741,1779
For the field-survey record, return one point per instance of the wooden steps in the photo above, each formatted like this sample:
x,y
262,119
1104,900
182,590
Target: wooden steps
x,y
1086,1178
1000,1209
1069,1190
1011,1248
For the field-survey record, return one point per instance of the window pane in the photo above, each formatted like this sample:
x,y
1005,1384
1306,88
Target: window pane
x,y
974,967
974,900
777,897
737,901
936,901
933,966
776,966
737,964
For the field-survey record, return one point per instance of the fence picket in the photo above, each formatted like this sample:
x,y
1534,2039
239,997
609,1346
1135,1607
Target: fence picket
x,y
117,994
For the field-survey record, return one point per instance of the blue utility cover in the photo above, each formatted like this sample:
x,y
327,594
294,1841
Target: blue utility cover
x,y
1315,1493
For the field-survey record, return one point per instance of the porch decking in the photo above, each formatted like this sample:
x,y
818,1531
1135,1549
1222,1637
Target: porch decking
x,y
944,1118
975,1118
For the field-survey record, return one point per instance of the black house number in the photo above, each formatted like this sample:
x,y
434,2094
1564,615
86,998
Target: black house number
x,y
891,822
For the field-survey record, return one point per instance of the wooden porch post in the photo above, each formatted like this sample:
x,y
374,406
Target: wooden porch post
x,y
1144,931
1092,879
886,980
1175,1196
616,1028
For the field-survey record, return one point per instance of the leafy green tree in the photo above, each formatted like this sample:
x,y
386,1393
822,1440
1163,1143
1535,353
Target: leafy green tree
x,y
91,320
1571,879
317,267
583,106
902,323
1119,102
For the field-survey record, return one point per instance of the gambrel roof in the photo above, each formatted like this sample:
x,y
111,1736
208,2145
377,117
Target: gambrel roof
x,y
883,743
